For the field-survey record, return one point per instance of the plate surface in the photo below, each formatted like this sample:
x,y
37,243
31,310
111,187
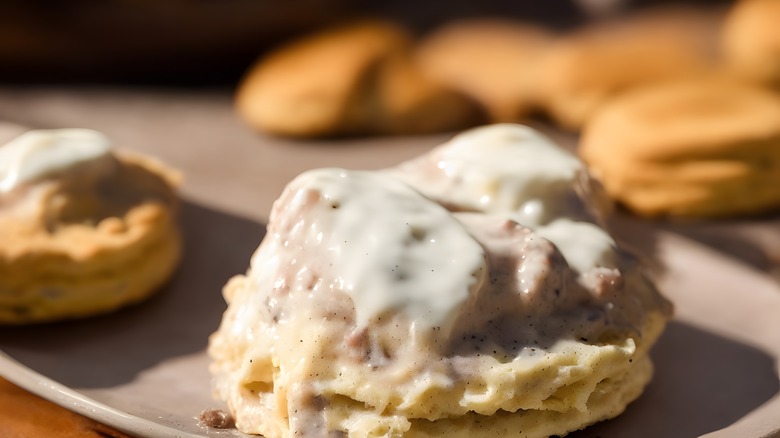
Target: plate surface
x,y
144,369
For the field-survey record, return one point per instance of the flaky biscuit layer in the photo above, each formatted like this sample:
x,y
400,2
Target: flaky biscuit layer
x,y
552,390
493,61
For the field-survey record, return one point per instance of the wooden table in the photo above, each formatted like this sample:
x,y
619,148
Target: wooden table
x,y
25,415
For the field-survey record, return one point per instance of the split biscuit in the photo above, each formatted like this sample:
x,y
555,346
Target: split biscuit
x,y
355,79
705,148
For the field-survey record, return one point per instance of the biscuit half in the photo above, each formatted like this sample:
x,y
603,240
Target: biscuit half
x,y
70,253
558,389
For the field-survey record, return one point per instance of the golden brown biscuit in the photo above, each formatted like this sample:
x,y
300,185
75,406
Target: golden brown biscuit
x,y
493,61
588,67
464,293
78,243
355,79
703,148
751,39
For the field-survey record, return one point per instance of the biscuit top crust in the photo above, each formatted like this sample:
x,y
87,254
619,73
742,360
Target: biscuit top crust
x,y
38,154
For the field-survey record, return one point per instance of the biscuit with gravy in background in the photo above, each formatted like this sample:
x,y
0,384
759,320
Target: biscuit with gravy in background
x,y
85,229
751,40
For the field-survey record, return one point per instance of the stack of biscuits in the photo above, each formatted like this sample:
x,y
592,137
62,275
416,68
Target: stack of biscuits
x,y
603,80
706,146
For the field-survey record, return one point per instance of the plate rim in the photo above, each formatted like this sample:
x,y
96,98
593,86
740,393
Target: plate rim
x,y
72,400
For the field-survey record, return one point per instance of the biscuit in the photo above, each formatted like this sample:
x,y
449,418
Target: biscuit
x,y
493,61
77,244
705,148
356,79
589,66
751,40
406,102
426,300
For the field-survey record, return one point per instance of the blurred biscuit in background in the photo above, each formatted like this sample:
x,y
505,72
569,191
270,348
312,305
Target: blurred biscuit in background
x,y
410,103
353,79
494,61
313,86
707,147
591,65
751,40
84,230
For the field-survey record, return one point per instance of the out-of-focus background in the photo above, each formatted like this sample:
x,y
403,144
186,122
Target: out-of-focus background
x,y
197,42
243,95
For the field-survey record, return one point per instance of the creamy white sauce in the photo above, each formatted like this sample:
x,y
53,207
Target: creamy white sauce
x,y
386,239
385,244
514,170
584,245
505,167
40,153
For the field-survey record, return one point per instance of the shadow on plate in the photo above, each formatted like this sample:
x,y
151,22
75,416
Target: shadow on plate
x,y
111,350
753,241
702,383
